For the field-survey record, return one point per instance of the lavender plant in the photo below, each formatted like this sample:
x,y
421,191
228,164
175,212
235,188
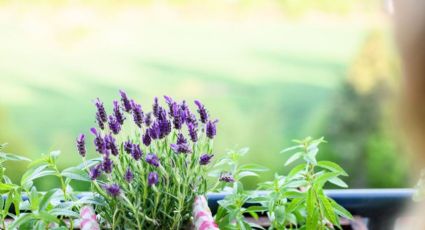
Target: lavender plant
x,y
151,164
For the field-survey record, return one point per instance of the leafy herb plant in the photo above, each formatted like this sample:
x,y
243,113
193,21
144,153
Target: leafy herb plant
x,y
294,201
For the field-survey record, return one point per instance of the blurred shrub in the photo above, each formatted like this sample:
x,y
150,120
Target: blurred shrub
x,y
360,121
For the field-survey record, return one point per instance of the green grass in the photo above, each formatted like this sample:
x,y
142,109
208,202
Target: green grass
x,y
267,83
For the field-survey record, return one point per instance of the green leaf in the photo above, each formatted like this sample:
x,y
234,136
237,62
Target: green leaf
x,y
295,203
256,209
63,212
329,212
341,210
311,214
34,199
253,167
291,148
13,157
280,214
293,158
76,174
47,217
35,173
247,173
46,199
337,181
296,170
333,167
22,219
6,187
320,180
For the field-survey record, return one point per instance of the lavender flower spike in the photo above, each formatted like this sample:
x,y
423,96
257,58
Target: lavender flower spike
x,y
182,148
107,165
193,132
211,129
137,113
205,159
113,190
136,152
114,125
152,159
101,113
125,101
203,113
117,113
181,139
128,176
95,172
111,145
226,177
146,139
155,107
128,146
152,178
81,145
98,141
148,119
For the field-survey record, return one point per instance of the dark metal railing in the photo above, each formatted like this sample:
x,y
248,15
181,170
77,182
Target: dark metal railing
x,y
379,206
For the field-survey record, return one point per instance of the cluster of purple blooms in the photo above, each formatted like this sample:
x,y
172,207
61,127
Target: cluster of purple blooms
x,y
155,125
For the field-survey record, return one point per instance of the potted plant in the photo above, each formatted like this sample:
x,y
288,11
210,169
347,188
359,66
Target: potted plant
x,y
152,165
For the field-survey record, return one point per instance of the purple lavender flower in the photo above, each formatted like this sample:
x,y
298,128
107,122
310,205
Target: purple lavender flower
x,y
107,165
203,113
184,111
155,107
148,119
226,177
81,145
125,101
95,171
191,118
137,113
114,125
152,178
128,176
98,141
100,122
136,152
193,132
178,121
164,127
146,139
152,159
128,146
205,159
155,131
181,139
117,113
211,129
113,190
182,148
171,104
101,113
110,144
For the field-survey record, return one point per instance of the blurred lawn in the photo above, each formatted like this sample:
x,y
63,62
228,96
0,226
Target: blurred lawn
x,y
267,82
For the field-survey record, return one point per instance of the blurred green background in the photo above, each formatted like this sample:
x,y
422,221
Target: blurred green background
x,y
271,71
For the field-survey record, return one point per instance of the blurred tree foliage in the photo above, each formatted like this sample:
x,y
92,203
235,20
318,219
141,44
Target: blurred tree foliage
x,y
361,139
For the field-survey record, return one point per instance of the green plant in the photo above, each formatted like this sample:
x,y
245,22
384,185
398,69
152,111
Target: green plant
x,y
294,201
231,212
43,210
11,190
